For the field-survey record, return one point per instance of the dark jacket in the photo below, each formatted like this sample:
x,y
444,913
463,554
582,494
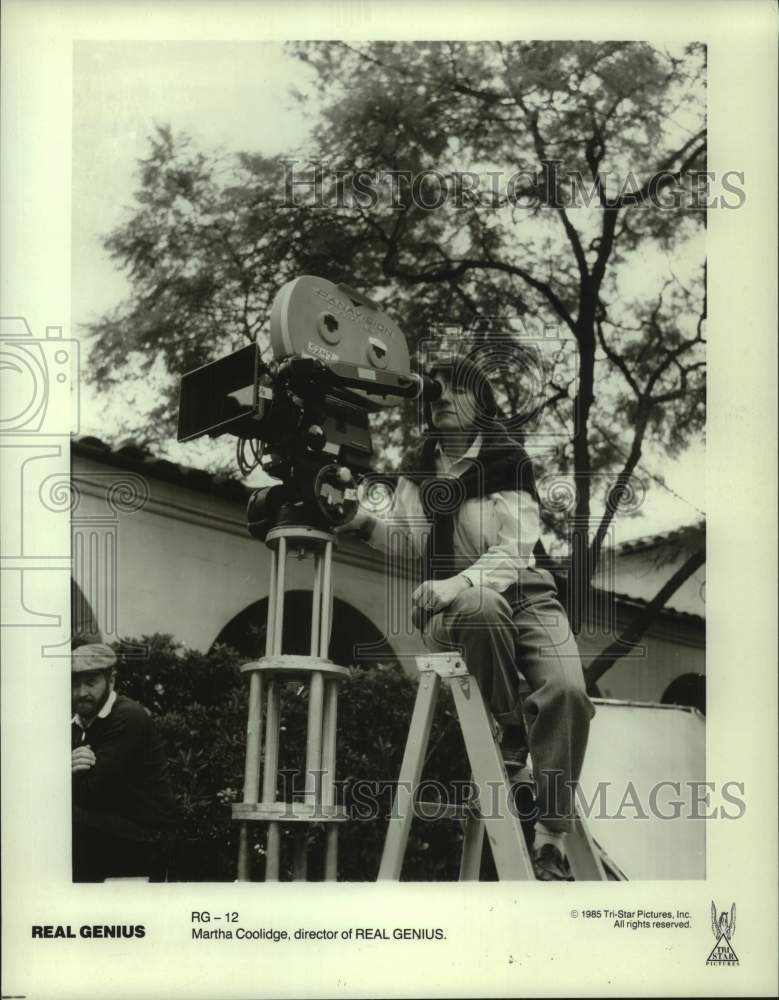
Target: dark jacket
x,y
126,792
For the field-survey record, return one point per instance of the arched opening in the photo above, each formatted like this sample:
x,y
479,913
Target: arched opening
x,y
83,621
688,690
351,630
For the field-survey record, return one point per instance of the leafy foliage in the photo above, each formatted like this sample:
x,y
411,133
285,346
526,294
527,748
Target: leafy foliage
x,y
213,237
199,702
597,148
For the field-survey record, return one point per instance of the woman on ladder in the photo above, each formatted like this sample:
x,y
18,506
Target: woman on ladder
x,y
466,506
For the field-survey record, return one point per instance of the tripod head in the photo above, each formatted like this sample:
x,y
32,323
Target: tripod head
x,y
304,415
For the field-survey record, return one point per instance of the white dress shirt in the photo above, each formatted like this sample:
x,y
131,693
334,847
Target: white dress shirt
x,y
494,535
104,711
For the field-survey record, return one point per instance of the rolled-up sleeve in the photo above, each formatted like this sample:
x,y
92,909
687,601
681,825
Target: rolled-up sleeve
x,y
515,529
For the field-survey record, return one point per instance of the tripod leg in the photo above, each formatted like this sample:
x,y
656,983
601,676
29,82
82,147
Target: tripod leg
x,y
274,640
300,860
410,773
269,779
325,624
328,776
319,624
313,766
273,646
330,721
316,606
314,723
314,740
251,781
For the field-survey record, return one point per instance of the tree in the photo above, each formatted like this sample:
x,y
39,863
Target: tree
x,y
584,167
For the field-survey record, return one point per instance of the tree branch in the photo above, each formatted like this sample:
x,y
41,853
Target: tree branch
x,y
618,488
614,651
456,269
616,359
531,118
663,176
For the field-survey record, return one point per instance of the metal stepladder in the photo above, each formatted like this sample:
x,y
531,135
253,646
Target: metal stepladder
x,y
493,818
319,803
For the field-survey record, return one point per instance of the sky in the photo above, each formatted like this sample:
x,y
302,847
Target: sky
x,y
234,95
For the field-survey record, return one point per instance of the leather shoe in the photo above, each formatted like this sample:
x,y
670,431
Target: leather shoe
x,y
550,865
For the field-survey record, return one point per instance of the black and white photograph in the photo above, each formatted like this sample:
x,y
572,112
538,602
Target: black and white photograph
x,y
455,257
363,479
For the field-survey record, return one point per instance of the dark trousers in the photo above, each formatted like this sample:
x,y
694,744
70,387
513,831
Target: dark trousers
x,y
526,632
100,854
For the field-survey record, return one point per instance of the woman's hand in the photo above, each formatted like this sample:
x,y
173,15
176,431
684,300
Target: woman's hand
x,y
361,524
435,595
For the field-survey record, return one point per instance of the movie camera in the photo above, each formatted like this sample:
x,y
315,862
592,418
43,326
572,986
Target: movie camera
x,y
303,416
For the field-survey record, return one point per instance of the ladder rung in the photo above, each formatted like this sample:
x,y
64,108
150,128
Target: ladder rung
x,y
288,812
441,810
292,666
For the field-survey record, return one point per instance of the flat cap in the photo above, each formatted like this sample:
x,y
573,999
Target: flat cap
x,y
93,656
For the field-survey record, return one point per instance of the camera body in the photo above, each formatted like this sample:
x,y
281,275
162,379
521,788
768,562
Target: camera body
x,y
336,358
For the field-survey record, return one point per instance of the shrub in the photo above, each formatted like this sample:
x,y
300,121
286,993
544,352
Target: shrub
x,y
200,704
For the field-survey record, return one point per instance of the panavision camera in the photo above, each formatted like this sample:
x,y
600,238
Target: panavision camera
x,y
304,415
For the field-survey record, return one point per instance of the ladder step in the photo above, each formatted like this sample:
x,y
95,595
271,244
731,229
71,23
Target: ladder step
x,y
288,812
442,810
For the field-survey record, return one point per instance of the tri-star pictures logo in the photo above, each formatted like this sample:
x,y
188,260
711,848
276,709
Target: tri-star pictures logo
x,y
724,927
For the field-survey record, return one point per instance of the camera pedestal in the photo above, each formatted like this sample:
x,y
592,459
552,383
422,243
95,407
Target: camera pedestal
x,y
266,676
